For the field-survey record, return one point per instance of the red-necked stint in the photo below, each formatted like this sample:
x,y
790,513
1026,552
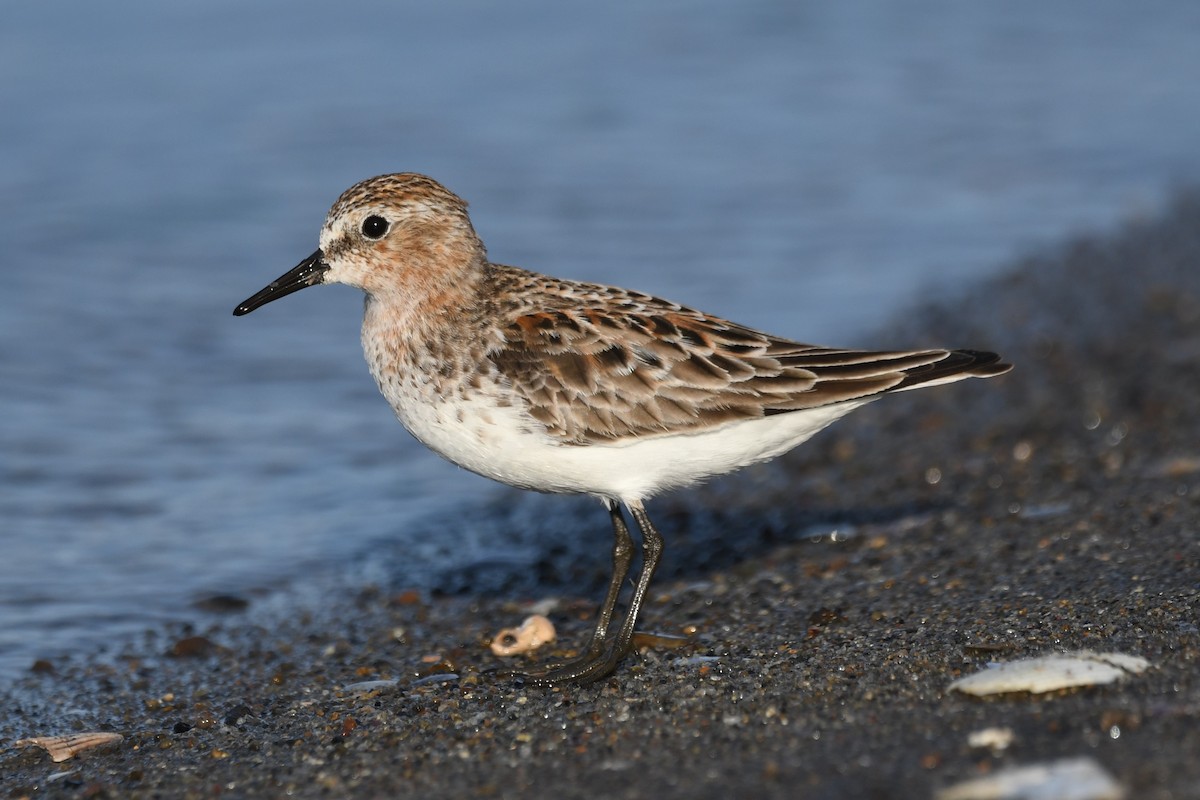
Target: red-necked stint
x,y
570,387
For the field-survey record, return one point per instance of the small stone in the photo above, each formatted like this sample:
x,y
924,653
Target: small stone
x,y
192,647
237,714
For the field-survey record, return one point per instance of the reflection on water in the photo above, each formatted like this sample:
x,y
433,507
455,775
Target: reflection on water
x,y
805,169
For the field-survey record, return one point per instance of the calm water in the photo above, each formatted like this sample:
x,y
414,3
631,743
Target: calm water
x,y
810,168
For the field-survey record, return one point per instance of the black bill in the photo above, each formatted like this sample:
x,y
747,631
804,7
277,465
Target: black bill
x,y
308,272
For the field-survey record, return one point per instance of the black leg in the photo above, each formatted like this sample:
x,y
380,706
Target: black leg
x,y
622,555
652,548
605,652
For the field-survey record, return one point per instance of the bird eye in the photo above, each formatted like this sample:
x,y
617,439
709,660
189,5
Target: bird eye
x,y
374,227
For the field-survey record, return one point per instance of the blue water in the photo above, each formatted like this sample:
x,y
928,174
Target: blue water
x,y
808,168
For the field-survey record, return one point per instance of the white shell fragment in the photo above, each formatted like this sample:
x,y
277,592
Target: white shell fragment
x,y
1069,779
995,739
62,748
534,632
1048,673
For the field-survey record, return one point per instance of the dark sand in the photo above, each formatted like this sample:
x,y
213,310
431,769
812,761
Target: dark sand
x,y
1054,509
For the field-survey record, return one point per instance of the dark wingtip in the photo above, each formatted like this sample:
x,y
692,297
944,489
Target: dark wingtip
x,y
983,364
967,363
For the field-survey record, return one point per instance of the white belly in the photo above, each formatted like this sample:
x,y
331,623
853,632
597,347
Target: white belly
x,y
506,445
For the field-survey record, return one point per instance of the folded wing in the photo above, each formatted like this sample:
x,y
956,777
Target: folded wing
x,y
646,367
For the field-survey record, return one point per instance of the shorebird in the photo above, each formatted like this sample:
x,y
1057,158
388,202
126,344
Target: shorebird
x,y
569,387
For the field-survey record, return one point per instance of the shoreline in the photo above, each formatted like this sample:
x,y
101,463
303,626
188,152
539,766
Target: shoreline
x,y
1050,510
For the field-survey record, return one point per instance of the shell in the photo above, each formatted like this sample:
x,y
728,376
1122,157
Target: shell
x,y
1050,673
534,632
62,748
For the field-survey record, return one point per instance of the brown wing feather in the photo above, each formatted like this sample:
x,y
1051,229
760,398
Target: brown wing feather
x,y
599,364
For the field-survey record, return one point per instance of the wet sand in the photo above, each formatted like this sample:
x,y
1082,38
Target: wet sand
x,y
829,599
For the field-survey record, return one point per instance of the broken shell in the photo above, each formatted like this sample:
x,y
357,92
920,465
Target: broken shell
x,y
61,748
1050,673
534,632
995,739
1068,779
